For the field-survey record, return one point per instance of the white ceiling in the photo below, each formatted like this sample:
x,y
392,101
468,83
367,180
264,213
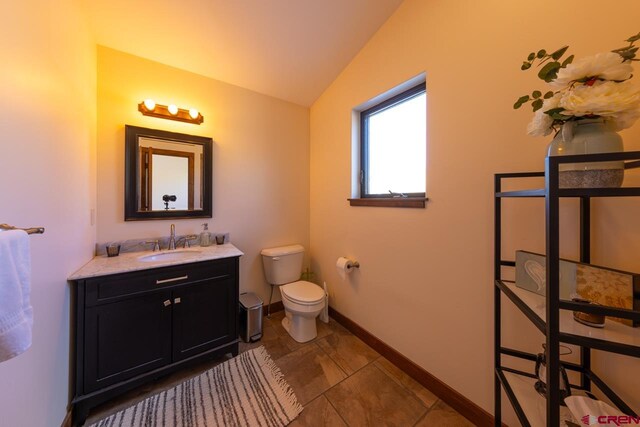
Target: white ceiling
x,y
289,49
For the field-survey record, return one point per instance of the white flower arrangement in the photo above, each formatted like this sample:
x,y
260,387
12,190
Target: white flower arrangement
x,y
593,87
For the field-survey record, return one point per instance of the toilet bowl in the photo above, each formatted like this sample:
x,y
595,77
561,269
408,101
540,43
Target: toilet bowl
x,y
303,301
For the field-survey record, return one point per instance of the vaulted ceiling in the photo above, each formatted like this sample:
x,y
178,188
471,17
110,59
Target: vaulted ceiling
x,y
289,49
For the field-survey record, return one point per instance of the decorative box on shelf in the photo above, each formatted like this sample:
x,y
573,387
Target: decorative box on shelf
x,y
600,285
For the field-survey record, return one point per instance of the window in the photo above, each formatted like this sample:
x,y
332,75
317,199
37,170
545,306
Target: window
x,y
393,147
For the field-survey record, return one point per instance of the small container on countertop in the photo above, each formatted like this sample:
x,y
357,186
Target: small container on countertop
x,y
205,236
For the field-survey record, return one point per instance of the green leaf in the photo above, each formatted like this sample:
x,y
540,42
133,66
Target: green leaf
x,y
525,66
627,56
554,110
520,101
548,95
541,53
531,56
627,53
558,53
634,38
567,61
555,114
536,94
550,71
537,104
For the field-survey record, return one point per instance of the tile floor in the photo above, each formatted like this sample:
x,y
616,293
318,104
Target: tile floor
x,y
338,379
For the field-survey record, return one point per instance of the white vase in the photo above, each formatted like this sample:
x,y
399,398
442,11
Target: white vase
x,y
589,136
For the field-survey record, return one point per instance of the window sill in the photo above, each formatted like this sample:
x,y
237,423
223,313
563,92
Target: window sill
x,y
390,202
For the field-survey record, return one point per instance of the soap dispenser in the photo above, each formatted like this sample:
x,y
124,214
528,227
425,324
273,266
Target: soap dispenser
x,y
205,236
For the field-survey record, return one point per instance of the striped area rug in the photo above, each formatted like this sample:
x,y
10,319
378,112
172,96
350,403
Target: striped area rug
x,y
248,390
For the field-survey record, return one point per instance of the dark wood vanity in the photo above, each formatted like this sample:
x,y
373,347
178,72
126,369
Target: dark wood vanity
x,y
130,328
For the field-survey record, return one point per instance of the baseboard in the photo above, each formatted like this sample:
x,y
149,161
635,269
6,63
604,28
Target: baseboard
x,y
451,397
67,420
275,307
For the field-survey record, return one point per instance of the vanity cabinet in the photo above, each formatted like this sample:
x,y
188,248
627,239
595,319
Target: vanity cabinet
x,y
126,338
131,328
192,309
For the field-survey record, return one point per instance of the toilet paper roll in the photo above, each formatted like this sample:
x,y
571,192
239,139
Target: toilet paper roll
x,y
344,266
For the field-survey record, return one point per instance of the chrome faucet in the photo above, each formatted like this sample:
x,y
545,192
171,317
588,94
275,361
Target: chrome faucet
x,y
186,240
172,238
156,244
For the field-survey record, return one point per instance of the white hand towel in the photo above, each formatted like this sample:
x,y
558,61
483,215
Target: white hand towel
x,y
590,410
16,314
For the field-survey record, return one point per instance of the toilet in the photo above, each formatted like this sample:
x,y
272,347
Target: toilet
x,y
303,301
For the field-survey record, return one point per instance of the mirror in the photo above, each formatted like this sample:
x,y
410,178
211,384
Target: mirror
x,y
168,175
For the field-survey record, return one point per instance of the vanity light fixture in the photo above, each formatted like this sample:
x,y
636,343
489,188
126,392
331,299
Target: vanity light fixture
x,y
149,104
148,107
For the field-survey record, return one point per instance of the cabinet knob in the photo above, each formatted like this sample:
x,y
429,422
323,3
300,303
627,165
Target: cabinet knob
x,y
177,300
167,302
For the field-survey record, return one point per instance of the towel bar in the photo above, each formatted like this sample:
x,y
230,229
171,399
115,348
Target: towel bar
x,y
32,230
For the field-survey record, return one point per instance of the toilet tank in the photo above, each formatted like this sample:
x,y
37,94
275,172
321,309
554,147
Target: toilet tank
x,y
282,264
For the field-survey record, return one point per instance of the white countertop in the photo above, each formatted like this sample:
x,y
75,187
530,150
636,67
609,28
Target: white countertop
x,y
125,262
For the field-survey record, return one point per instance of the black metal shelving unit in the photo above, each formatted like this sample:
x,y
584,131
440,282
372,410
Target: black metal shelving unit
x,y
552,316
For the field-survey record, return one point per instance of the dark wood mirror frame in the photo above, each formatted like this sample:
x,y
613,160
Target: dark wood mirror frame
x,y
131,212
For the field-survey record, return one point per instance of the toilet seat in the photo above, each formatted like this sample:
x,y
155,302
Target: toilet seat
x,y
303,292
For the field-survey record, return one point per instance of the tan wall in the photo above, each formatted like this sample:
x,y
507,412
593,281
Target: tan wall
x,y
261,157
47,178
425,282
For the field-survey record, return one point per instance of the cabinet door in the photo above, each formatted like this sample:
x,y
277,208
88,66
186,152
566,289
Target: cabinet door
x,y
127,338
204,316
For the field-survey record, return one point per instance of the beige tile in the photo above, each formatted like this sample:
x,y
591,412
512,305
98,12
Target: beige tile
x,y
268,333
348,351
371,398
318,413
310,372
246,346
442,415
274,343
276,317
427,398
337,327
323,331
277,348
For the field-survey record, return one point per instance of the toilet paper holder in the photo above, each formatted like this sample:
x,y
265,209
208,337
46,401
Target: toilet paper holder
x,y
354,264
346,266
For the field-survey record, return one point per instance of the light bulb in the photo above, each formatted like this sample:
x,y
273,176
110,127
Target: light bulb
x,y
193,113
149,104
173,110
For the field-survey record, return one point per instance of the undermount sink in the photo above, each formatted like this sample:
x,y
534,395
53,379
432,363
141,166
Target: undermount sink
x,y
169,256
